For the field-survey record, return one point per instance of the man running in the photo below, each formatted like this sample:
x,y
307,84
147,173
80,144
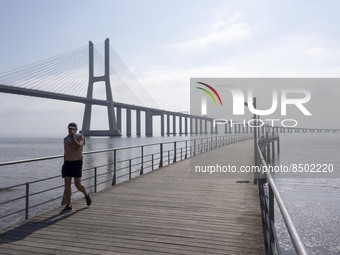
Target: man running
x,y
72,167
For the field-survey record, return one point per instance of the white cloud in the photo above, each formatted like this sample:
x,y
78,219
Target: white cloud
x,y
219,32
315,51
170,86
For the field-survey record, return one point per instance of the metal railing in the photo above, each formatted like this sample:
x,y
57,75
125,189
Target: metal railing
x,y
34,197
268,195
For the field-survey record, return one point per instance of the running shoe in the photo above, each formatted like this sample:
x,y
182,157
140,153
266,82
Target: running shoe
x,y
88,199
67,209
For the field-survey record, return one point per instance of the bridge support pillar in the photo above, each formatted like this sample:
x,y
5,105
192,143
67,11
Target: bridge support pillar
x,y
128,121
191,125
186,125
174,124
168,124
196,126
148,123
138,125
162,124
87,119
113,131
180,125
201,126
119,119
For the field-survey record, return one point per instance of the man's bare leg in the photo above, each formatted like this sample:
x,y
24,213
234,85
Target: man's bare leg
x,y
80,187
68,181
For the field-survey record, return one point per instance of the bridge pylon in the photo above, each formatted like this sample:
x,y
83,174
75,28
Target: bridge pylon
x,y
86,128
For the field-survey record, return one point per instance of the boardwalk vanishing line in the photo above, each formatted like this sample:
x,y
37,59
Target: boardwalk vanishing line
x,y
167,211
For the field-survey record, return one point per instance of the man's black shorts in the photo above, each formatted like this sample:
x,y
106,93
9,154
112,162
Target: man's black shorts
x,y
72,169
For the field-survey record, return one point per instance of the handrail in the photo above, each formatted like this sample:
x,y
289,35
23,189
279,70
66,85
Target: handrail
x,y
93,152
14,162
123,169
295,237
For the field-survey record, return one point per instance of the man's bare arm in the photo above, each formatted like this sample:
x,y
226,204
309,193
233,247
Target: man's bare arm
x,y
79,142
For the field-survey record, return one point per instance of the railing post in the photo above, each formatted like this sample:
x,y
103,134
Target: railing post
x,y
273,150
168,157
95,180
256,174
142,161
271,221
194,147
130,168
114,179
255,141
186,149
175,152
161,156
151,162
268,148
27,200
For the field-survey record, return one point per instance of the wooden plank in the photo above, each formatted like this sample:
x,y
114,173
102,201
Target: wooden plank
x,y
168,211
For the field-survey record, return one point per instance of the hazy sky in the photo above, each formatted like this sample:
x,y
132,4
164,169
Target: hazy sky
x,y
165,43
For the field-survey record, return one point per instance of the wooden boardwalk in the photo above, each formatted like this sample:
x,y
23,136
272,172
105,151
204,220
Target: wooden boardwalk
x,y
167,211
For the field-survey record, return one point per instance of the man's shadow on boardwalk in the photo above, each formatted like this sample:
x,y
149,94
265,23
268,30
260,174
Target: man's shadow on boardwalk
x,y
25,230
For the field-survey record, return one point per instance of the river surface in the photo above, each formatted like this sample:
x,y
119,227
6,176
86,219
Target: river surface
x,y
313,202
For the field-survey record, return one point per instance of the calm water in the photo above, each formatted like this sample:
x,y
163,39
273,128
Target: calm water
x,y
314,203
26,148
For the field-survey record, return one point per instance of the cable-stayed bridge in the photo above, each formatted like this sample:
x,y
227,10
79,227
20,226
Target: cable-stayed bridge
x,y
85,76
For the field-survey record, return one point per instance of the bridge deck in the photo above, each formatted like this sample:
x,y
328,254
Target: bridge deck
x,y
167,211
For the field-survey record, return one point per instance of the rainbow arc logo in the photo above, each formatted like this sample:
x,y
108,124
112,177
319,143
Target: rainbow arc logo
x,y
211,92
